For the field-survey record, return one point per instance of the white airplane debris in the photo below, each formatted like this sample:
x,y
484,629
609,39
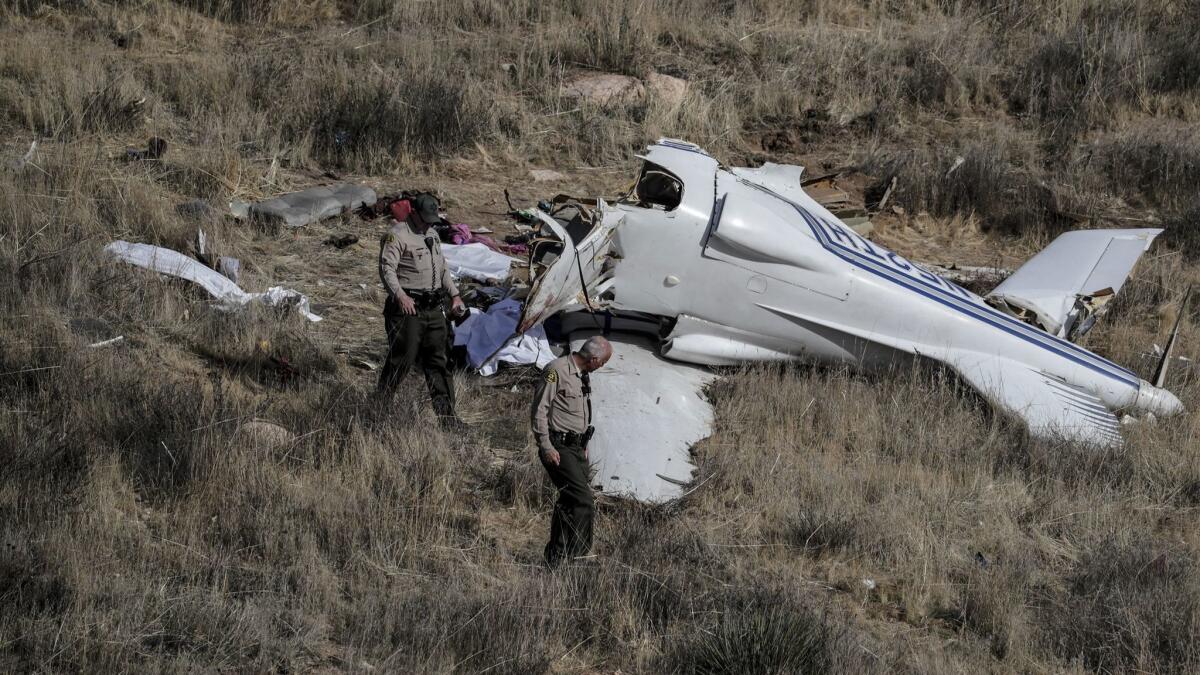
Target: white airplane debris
x,y
729,266
1065,287
649,413
226,292
476,261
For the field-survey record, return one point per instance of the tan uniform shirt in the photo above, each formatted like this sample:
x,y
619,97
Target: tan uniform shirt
x,y
407,261
559,404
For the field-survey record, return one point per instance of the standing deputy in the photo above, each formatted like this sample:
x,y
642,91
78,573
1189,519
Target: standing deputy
x,y
562,427
418,282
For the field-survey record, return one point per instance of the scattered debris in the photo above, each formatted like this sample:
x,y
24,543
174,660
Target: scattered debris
x,y
476,261
264,434
887,194
227,293
297,209
958,161
342,241
106,343
155,149
491,338
25,159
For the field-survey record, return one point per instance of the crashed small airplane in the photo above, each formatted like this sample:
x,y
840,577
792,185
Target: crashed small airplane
x,y
720,266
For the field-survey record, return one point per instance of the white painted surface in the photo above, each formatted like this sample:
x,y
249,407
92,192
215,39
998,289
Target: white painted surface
x,y
1083,262
648,413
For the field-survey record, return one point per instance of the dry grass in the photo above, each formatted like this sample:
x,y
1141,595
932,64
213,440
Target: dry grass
x,y
843,524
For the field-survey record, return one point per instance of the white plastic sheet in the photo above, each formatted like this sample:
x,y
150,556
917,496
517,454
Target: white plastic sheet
x,y
485,333
476,261
226,292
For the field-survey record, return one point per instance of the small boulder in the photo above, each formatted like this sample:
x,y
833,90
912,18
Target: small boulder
x,y
605,89
545,175
263,434
668,91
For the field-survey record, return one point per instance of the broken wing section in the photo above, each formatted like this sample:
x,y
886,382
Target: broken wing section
x,y
1051,408
649,412
1064,288
561,268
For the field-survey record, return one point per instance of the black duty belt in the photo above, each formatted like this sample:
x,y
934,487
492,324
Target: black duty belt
x,y
572,438
426,299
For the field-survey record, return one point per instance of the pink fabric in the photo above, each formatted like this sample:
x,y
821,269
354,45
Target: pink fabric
x,y
461,233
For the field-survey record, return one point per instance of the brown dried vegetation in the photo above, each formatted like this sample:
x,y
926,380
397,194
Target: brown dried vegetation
x,y
839,523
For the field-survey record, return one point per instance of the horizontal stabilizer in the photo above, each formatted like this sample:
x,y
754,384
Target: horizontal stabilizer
x,y
1064,287
1051,408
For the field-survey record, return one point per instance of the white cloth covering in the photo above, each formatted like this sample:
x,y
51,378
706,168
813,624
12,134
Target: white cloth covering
x,y
226,292
476,261
485,333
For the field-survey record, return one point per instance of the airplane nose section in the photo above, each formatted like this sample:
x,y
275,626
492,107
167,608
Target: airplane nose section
x,y
1162,403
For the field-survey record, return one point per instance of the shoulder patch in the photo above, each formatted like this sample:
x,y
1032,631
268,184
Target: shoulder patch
x,y
389,238
552,376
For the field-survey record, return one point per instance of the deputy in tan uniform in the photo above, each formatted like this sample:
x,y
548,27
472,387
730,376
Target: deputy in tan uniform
x,y
418,283
562,426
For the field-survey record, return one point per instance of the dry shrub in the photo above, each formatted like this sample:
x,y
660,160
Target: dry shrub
x,y
1131,603
1155,165
989,182
1183,231
767,632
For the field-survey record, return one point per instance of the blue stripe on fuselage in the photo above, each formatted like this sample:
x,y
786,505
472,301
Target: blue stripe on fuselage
x,y
946,293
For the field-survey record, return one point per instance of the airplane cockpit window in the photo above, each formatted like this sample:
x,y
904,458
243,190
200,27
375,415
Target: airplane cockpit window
x,y
657,188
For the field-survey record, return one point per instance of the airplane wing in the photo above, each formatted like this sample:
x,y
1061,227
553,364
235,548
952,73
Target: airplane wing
x,y
1050,407
1064,287
648,413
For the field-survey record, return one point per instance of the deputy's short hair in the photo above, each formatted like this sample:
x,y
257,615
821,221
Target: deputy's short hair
x,y
595,347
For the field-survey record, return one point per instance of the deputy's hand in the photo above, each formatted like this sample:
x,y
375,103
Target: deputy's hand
x,y
456,305
550,457
407,305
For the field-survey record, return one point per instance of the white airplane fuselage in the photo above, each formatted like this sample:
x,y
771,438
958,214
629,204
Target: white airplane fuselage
x,y
756,271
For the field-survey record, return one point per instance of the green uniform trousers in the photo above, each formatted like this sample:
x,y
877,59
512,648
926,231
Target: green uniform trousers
x,y
413,338
571,524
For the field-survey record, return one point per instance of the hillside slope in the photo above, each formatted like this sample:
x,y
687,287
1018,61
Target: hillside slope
x,y
838,523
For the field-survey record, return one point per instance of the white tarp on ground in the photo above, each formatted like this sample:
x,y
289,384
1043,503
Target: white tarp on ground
x,y
648,413
476,261
483,333
226,292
